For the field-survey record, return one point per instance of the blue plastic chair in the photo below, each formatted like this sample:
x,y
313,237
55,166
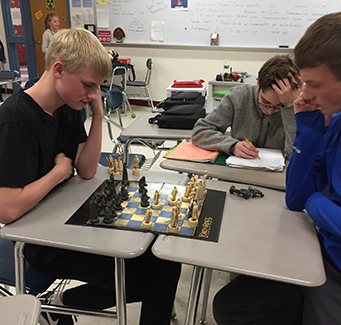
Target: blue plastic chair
x,y
35,281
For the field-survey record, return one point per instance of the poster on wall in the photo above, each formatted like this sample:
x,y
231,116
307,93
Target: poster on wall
x,y
179,4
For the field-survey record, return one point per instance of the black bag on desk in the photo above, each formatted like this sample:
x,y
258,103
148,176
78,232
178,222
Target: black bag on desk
x,y
179,117
183,98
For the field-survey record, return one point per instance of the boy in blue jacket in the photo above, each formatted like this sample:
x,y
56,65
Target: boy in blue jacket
x,y
313,184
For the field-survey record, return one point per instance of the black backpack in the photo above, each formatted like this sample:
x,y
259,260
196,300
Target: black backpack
x,y
179,117
183,98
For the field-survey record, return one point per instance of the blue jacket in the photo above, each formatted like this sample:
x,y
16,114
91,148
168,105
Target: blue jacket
x,y
314,165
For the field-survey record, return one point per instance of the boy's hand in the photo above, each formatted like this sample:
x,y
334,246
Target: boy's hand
x,y
242,149
96,104
64,166
300,105
285,92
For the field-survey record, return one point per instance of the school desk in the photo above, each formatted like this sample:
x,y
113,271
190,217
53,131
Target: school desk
x,y
258,237
45,225
275,180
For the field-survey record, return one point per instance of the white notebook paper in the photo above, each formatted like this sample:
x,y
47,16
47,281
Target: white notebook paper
x,y
270,159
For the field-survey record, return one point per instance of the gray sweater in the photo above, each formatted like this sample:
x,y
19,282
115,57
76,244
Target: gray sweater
x,y
239,109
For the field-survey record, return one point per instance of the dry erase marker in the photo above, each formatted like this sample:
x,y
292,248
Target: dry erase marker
x,y
250,143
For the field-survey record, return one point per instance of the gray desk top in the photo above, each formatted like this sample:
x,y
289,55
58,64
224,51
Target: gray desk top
x,y
258,237
9,81
44,224
273,180
142,129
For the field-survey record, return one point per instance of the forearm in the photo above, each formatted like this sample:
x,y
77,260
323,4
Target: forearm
x,y
302,177
89,152
14,202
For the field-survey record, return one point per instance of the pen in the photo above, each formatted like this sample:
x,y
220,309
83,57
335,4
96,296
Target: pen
x,y
250,143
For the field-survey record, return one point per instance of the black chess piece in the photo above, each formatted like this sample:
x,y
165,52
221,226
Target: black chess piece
x,y
246,194
125,180
255,192
93,211
124,193
144,199
108,218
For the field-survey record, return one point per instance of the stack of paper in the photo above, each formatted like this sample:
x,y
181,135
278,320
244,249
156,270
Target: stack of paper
x,y
188,151
270,159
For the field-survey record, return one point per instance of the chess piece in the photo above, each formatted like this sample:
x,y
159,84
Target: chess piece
x,y
186,195
173,226
125,180
193,220
142,183
136,166
116,171
156,203
178,209
147,224
145,198
124,193
204,181
120,163
110,160
172,199
93,211
200,191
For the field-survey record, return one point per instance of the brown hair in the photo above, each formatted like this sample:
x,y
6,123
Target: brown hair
x,y
78,49
278,67
321,45
48,19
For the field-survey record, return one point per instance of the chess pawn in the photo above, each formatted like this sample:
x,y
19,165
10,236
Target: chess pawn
x,y
136,167
187,194
173,226
116,172
193,220
110,164
156,203
120,164
178,209
204,182
172,199
146,223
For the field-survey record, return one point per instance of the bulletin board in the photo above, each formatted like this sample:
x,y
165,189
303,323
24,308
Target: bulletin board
x,y
248,23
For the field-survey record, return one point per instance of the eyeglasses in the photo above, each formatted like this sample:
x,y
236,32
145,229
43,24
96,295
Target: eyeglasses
x,y
269,106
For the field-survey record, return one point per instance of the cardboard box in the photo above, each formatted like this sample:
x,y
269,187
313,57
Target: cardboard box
x,y
171,91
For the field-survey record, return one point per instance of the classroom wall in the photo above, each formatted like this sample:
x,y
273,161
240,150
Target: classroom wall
x,y
2,36
189,63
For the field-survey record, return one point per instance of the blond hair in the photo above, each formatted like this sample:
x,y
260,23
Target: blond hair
x,y
48,19
78,49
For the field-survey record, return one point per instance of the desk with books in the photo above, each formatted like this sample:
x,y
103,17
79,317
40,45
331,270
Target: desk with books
x,y
275,180
258,237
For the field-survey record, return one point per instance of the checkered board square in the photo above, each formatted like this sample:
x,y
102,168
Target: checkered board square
x,y
133,214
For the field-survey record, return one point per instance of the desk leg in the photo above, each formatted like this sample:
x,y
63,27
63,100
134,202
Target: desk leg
x,y
126,151
206,290
19,261
194,295
120,292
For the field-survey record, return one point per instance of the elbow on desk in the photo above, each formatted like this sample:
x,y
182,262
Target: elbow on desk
x,y
293,203
7,217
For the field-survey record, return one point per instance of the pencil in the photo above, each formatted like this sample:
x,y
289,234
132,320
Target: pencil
x,y
246,139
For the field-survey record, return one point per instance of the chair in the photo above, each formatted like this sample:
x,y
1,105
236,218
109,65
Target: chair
x,y
113,99
31,82
143,84
36,283
119,69
21,309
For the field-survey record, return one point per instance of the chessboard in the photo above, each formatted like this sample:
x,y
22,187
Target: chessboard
x,y
131,214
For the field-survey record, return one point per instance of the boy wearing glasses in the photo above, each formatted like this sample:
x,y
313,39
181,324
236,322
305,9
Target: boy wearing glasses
x,y
263,114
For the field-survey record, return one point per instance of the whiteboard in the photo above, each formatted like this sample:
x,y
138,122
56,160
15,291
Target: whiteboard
x,y
243,23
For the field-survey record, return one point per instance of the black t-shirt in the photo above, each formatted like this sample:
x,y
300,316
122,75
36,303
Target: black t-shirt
x,y
30,139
